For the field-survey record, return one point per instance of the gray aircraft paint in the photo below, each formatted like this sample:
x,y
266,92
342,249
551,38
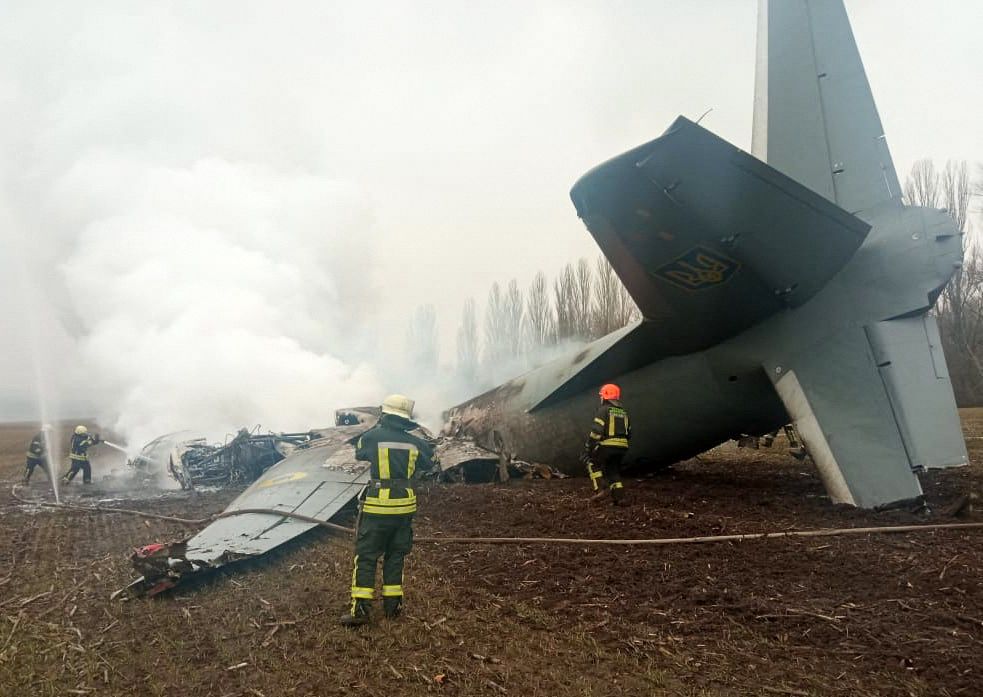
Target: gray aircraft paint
x,y
797,289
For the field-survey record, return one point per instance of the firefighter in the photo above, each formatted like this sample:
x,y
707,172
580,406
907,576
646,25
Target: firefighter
x,y
607,442
385,527
795,447
79,455
36,456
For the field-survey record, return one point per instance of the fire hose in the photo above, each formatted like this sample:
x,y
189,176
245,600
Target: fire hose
x,y
822,532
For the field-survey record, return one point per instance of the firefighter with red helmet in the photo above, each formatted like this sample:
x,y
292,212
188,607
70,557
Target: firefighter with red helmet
x,y
607,443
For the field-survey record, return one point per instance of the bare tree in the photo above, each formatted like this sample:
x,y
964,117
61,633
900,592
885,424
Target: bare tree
x,y
496,342
628,310
565,304
467,343
421,341
922,186
612,307
538,322
604,308
582,299
512,319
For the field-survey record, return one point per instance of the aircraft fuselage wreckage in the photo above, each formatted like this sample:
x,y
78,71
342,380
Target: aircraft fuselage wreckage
x,y
791,283
793,290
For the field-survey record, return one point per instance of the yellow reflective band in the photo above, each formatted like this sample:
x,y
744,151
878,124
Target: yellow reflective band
x,y
595,475
383,462
611,425
595,436
617,485
615,442
73,456
384,500
388,507
388,510
360,593
599,421
385,466
392,591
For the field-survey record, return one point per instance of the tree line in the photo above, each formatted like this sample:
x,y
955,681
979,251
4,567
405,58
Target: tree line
x,y
959,309
519,328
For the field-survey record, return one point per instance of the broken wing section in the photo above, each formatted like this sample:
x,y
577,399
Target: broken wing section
x,y
814,115
836,397
317,482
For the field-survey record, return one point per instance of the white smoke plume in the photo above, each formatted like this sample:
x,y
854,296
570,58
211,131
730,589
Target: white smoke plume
x,y
184,225
209,295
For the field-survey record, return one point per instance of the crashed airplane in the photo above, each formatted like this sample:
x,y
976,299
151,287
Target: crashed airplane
x,y
789,284
193,462
315,481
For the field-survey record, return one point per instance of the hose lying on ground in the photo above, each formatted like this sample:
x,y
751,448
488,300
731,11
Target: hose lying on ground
x,y
828,532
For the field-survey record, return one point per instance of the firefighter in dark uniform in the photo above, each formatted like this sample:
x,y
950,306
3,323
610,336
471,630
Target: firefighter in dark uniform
x,y
385,527
607,442
79,455
36,456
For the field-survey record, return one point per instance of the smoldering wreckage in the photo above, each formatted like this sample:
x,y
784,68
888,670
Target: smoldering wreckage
x,y
792,283
298,480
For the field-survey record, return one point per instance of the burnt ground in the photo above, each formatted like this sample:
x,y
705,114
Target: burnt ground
x,y
859,615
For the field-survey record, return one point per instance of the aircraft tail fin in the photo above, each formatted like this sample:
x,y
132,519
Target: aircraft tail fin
x,y
814,115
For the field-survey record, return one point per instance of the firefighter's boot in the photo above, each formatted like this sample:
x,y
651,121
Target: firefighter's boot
x,y
618,494
392,607
357,615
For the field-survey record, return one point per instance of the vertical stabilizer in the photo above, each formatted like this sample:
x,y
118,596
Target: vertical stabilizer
x,y
814,115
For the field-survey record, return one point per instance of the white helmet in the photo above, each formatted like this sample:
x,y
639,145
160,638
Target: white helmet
x,y
398,405
81,430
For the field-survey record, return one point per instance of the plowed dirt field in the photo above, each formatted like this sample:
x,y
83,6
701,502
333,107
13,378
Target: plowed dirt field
x,y
898,614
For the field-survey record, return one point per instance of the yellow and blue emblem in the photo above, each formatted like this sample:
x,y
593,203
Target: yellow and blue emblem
x,y
698,269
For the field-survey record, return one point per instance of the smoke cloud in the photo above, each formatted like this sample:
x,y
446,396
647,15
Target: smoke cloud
x,y
222,213
209,295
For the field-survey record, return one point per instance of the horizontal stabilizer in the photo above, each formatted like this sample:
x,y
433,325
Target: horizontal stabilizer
x,y
709,240
908,352
837,399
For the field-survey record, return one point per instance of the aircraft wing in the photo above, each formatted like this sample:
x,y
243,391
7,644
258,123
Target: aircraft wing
x,y
814,115
873,405
315,482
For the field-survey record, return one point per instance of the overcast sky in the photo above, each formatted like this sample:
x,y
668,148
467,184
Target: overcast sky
x,y
392,154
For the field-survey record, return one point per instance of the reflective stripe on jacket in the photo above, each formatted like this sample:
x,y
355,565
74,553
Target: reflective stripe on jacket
x,y
80,446
610,427
393,454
